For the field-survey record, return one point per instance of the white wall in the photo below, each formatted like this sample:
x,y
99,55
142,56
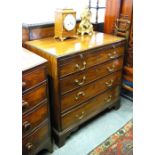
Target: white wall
x,y
38,11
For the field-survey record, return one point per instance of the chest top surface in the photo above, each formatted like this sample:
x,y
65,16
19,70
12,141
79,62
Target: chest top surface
x,y
30,60
71,46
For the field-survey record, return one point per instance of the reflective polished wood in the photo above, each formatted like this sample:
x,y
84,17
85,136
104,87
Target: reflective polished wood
x,y
71,46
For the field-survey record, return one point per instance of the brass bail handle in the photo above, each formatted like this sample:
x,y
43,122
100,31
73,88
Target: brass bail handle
x,y
24,104
109,83
81,115
112,68
81,68
112,55
29,146
26,125
23,85
108,99
80,83
81,93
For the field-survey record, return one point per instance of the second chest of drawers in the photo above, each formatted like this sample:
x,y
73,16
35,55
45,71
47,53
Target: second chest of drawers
x,y
36,128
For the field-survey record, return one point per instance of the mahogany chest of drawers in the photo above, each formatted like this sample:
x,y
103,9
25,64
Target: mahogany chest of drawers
x,y
86,75
36,128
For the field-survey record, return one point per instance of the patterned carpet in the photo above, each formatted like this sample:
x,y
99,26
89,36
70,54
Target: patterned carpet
x,y
120,143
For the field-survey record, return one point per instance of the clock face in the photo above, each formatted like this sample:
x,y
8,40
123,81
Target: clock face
x,y
69,22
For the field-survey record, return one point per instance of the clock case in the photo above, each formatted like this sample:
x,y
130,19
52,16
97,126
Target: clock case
x,y
60,32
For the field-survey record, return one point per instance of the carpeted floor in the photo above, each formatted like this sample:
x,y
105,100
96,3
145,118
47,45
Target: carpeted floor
x,y
119,143
95,131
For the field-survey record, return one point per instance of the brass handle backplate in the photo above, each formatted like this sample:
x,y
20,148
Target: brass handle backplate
x,y
81,93
108,99
81,68
80,83
109,83
29,146
81,115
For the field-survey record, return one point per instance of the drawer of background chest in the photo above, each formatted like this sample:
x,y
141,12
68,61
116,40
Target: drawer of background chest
x,y
34,97
79,79
90,108
86,92
34,117
82,61
34,77
35,139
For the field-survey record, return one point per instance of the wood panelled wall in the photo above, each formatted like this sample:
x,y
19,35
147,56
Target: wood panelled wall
x,y
127,8
115,9
112,13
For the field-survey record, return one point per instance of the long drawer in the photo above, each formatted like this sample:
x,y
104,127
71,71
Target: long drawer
x,y
35,139
79,79
90,108
33,97
33,78
34,118
84,93
82,61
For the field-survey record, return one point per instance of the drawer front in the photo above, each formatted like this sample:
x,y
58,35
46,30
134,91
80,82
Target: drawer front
x,y
31,142
34,118
82,61
33,78
78,96
79,79
33,97
91,108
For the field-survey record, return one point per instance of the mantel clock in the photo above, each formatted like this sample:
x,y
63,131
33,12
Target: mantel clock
x,y
65,24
